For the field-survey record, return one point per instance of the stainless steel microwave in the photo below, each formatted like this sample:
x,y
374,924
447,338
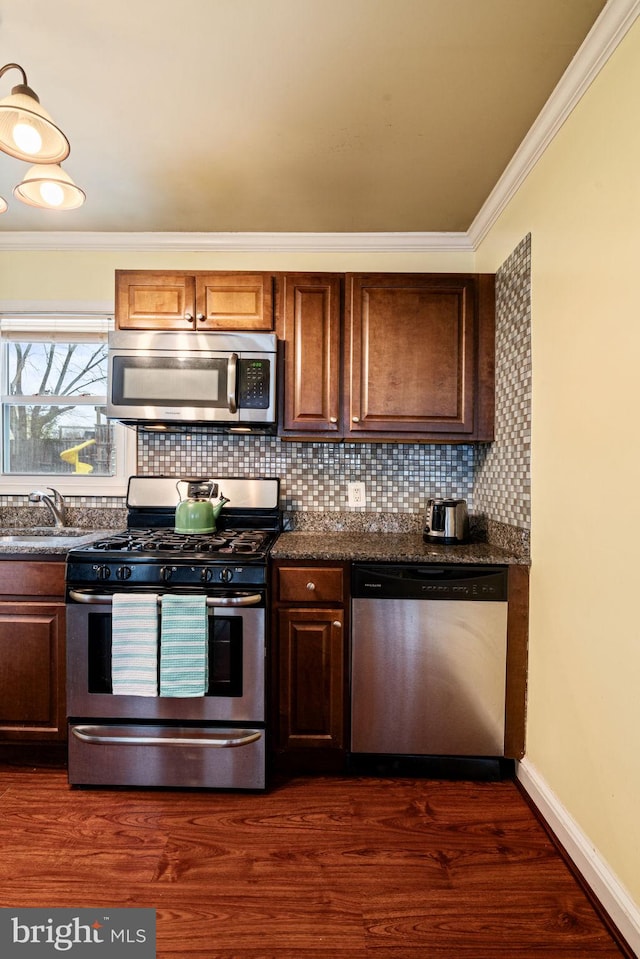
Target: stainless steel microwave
x,y
160,380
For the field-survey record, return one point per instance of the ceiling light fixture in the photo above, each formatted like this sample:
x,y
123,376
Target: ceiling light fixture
x,y
47,185
27,132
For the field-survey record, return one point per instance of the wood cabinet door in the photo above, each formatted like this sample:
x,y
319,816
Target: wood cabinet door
x,y
32,672
234,301
309,323
411,343
154,301
311,692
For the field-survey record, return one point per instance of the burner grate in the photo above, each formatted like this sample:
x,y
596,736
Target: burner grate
x,y
166,541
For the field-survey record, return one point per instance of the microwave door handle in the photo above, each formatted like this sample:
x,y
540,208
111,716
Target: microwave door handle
x,y
232,383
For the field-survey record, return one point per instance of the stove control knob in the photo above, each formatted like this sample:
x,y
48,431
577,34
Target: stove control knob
x,y
123,572
166,573
206,574
226,575
102,572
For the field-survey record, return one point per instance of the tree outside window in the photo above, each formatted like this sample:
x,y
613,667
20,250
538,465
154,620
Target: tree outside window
x,y
54,408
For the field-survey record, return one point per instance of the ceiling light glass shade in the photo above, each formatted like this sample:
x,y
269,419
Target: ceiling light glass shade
x,y
27,132
3,205
48,186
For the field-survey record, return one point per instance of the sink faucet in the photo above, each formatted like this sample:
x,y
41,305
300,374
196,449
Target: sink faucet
x,y
56,505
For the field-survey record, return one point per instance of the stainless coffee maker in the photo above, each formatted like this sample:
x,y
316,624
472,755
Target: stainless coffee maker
x,y
447,521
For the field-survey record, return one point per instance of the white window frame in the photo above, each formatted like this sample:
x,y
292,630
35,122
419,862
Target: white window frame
x,y
42,325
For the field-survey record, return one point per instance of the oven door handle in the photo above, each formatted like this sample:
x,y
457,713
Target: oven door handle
x,y
106,599
225,739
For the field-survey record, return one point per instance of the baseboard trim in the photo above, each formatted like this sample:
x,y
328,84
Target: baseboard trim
x,y
596,872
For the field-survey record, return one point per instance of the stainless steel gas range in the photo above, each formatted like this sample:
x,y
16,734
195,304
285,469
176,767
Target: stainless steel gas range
x,y
166,644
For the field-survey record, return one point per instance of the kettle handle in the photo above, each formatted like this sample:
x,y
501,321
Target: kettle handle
x,y
213,487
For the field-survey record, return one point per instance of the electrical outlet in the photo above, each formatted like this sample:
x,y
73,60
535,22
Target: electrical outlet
x,y
356,495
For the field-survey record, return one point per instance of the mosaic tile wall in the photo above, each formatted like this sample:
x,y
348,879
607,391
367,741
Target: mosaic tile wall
x,y
314,476
502,487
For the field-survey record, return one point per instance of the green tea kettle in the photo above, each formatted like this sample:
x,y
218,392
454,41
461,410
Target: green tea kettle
x,y
196,513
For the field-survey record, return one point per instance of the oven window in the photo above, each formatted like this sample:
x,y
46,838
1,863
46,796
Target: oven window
x,y
225,654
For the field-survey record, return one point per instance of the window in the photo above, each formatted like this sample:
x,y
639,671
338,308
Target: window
x,y
54,428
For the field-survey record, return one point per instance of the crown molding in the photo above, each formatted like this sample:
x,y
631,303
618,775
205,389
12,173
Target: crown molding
x,y
617,17
238,242
615,20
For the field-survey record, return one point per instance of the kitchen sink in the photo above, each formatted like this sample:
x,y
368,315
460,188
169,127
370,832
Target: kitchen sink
x,y
34,535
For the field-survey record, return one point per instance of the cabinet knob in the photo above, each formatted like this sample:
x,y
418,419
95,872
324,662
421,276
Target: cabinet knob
x,y
201,317
333,419
356,419
188,316
311,586
337,624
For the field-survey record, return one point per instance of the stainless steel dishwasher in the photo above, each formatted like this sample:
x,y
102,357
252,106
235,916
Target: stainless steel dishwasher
x,y
428,660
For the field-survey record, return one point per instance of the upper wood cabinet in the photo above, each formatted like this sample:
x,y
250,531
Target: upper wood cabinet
x,y
309,323
366,356
419,356
408,357
196,300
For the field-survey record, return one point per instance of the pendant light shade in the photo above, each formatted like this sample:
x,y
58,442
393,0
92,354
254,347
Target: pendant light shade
x,y
49,187
3,205
27,132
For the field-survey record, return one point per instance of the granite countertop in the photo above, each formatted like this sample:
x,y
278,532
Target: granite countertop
x,y
339,536
322,545
404,547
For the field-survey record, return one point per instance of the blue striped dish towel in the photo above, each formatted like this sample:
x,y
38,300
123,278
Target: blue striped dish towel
x,y
184,639
134,644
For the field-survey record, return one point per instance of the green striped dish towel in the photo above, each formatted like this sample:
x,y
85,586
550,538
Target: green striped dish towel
x,y
184,646
134,644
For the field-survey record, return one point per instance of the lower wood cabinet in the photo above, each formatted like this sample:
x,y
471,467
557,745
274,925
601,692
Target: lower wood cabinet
x,y
309,666
32,652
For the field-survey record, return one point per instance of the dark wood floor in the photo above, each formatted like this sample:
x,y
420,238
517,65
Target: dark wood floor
x,y
327,868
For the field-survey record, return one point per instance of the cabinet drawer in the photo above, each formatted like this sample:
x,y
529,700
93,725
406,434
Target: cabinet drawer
x,y
31,578
310,584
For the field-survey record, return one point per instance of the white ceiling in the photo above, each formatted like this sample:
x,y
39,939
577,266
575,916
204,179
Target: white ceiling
x,y
285,115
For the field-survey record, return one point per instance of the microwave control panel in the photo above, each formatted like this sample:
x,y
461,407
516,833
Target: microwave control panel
x,y
253,384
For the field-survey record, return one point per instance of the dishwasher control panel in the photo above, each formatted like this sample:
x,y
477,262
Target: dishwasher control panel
x,y
454,582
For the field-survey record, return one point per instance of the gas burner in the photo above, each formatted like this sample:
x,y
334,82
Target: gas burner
x,y
165,541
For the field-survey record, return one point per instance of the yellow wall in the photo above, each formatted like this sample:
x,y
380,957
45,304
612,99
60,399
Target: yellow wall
x,y
89,277
581,204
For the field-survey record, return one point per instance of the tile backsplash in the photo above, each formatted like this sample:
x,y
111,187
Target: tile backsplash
x,y
398,478
314,476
